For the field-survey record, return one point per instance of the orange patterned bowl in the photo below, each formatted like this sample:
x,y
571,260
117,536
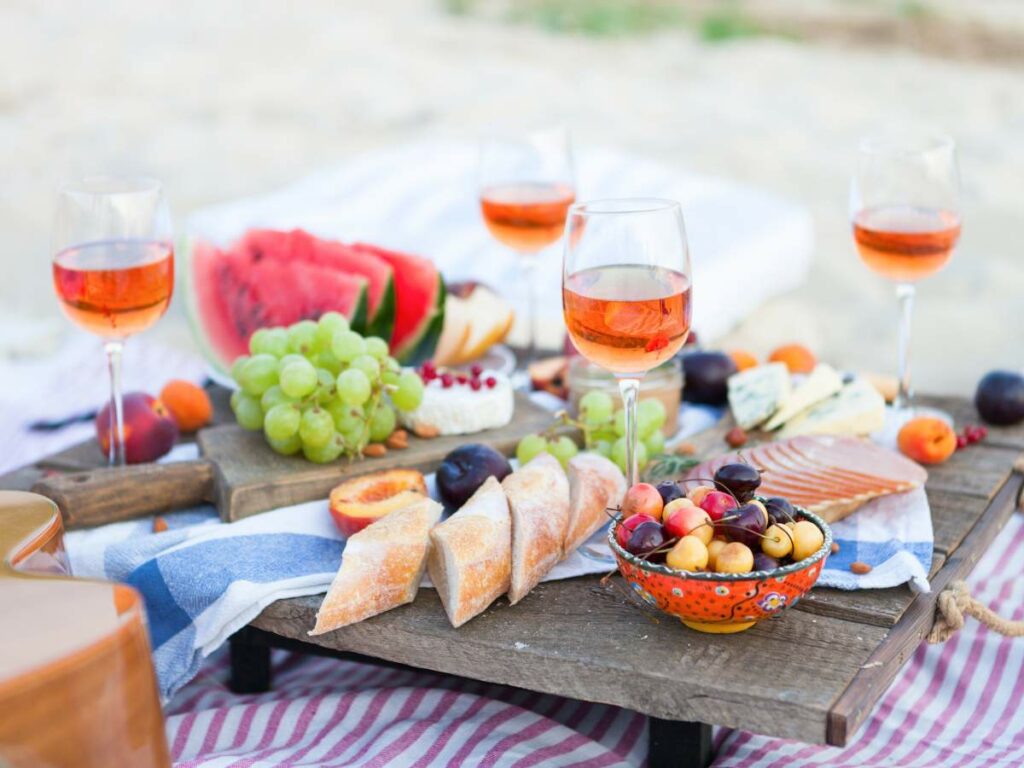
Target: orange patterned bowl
x,y
723,602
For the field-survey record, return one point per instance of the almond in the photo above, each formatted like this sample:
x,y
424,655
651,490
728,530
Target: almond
x,y
375,450
860,568
835,547
398,440
426,430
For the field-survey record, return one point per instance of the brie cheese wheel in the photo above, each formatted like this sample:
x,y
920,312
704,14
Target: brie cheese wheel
x,y
755,394
461,410
857,409
822,382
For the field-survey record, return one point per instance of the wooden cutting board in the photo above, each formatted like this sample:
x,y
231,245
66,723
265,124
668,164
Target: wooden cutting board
x,y
240,475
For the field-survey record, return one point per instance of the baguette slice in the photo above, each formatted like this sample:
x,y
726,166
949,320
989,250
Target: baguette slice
x,y
470,561
381,568
595,484
538,496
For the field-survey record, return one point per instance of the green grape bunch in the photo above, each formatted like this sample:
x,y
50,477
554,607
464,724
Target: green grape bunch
x,y
604,428
320,389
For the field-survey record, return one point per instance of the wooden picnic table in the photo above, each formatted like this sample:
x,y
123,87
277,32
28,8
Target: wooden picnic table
x,y
813,674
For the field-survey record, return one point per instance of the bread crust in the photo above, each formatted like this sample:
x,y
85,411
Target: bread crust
x,y
595,485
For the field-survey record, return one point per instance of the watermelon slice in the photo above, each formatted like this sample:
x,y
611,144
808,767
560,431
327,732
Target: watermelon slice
x,y
420,294
263,281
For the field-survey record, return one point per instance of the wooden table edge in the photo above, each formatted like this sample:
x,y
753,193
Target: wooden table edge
x,y
852,707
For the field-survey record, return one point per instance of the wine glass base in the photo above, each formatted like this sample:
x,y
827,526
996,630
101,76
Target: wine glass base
x,y
895,418
596,547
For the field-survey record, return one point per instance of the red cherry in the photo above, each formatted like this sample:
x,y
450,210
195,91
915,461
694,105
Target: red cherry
x,y
491,382
476,369
447,380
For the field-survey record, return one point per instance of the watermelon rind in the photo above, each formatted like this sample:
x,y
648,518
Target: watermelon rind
x,y
421,347
357,320
185,248
383,321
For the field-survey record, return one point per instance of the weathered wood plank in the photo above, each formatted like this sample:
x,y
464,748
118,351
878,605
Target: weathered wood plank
x,y
963,412
856,702
576,639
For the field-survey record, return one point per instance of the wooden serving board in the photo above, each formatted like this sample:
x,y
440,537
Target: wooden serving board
x,y
240,475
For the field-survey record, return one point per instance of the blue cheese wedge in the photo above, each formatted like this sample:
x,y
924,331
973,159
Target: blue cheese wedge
x,y
821,383
857,409
461,410
756,393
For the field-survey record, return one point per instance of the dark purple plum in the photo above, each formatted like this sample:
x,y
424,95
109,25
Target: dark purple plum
x,y
1000,397
670,491
779,510
741,480
465,469
705,375
645,538
763,562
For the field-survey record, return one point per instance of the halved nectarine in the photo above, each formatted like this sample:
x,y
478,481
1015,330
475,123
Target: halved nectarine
x,y
358,502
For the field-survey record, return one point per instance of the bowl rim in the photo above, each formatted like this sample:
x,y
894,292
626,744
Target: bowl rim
x,y
819,554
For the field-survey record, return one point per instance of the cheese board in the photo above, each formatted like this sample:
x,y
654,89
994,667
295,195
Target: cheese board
x,y
240,475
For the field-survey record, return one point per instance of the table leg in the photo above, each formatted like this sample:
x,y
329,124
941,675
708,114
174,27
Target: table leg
x,y
678,744
250,662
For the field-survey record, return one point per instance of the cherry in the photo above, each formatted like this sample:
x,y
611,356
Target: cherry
x,y
741,480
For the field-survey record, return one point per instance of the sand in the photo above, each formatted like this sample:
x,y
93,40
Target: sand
x,y
242,98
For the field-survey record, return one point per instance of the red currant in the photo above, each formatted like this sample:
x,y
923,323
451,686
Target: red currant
x,y
491,382
961,442
476,369
447,380
462,379
475,385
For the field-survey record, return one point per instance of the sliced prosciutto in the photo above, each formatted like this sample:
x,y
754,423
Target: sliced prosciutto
x,y
830,475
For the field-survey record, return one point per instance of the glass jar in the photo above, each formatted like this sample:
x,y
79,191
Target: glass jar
x,y
664,383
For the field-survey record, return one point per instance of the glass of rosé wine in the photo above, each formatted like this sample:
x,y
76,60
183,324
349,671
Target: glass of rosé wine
x,y
905,214
526,185
626,297
113,268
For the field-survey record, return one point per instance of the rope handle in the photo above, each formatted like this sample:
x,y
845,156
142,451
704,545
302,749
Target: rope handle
x,y
955,602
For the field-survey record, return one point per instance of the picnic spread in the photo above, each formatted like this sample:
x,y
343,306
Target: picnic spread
x,y
361,467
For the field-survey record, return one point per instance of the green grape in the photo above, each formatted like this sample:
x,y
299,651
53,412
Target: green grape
x,y
302,337
368,365
326,386
390,378
619,454
325,359
377,347
287,447
326,453
650,416
329,324
620,423
258,374
247,411
282,421
605,434
273,396
390,364
298,379
603,447
596,407
353,386
409,394
346,417
354,438
291,358
382,422
236,367
347,346
269,341
316,427
563,449
530,446
655,442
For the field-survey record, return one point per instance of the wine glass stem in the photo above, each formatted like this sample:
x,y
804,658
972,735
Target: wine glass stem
x,y
905,294
528,260
630,388
115,452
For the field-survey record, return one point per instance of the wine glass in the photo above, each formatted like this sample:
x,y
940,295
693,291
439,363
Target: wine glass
x,y
113,268
626,297
905,211
526,186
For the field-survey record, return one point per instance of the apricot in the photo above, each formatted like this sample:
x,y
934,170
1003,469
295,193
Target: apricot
x,y
797,357
927,440
189,405
743,359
